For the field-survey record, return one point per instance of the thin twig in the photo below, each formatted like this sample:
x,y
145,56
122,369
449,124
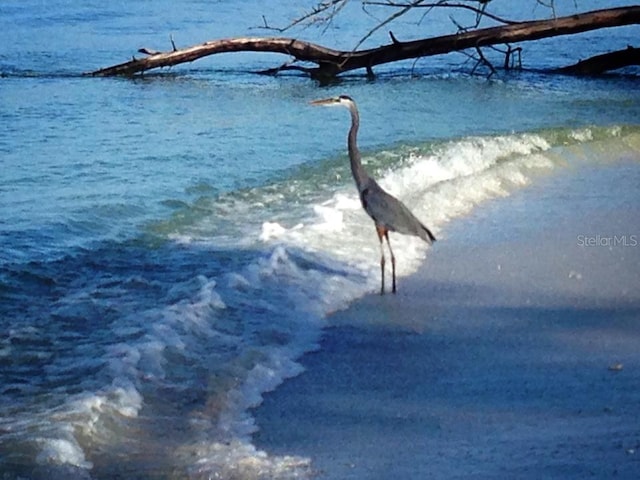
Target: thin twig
x,y
319,8
482,60
480,11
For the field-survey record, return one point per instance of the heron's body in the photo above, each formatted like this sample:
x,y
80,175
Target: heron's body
x,y
388,213
391,214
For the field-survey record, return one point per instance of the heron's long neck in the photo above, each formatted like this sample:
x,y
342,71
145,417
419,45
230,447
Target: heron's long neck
x,y
359,174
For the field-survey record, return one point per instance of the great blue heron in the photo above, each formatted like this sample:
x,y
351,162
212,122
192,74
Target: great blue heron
x,y
388,213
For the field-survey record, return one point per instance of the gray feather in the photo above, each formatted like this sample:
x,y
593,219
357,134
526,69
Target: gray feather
x,y
390,213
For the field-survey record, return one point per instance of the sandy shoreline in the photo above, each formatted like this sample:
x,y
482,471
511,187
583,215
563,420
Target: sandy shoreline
x,y
514,351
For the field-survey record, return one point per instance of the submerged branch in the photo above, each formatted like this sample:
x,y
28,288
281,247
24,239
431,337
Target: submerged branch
x,y
605,62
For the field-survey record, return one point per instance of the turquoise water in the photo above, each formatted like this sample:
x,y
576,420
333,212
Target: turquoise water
x,y
172,243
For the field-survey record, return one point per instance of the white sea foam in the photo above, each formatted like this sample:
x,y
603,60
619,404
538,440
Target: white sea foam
x,y
62,451
438,187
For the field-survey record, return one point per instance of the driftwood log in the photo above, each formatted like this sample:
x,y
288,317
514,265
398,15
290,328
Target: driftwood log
x,y
604,63
330,63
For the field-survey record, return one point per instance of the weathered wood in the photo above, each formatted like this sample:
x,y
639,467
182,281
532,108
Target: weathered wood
x,y
301,50
523,31
330,63
605,62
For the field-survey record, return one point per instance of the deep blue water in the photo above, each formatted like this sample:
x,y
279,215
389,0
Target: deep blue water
x,y
172,243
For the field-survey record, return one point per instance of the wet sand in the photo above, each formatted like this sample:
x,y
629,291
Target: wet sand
x,y
514,352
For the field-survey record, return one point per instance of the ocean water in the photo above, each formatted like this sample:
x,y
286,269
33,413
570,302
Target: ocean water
x,y
172,244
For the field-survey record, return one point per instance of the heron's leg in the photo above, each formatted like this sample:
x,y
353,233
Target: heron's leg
x,y
393,262
381,234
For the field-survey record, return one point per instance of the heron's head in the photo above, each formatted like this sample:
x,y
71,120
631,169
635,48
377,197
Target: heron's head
x,y
342,100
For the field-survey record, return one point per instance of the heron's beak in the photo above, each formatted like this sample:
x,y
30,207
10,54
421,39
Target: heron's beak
x,y
324,102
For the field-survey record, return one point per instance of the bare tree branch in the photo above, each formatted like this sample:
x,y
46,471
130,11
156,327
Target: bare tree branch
x,y
386,22
482,60
330,63
322,12
605,62
460,6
